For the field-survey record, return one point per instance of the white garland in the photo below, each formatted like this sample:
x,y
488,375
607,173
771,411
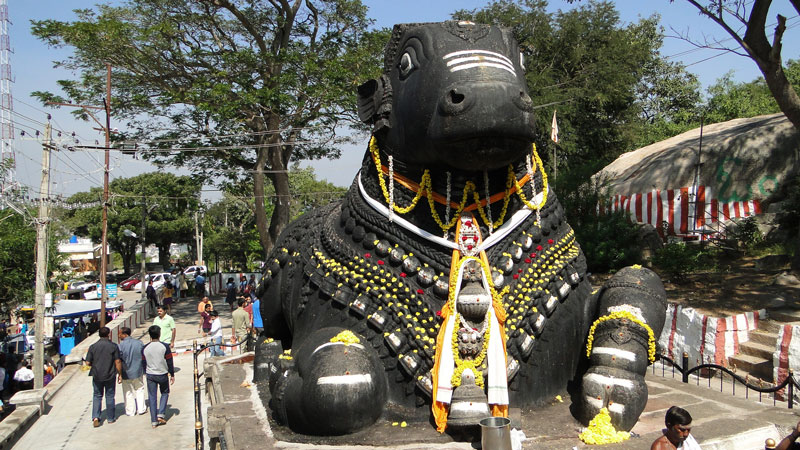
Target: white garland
x,y
488,201
391,189
447,205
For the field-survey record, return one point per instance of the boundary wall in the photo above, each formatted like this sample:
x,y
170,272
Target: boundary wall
x,y
706,339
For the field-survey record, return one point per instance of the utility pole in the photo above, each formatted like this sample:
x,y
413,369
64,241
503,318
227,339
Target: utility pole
x,y
42,223
144,252
104,250
107,129
198,242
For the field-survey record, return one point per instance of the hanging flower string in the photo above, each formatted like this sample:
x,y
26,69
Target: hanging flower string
x,y
425,187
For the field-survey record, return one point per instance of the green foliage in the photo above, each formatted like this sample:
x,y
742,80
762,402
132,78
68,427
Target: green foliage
x,y
170,199
229,224
268,81
607,77
747,233
607,240
676,260
18,259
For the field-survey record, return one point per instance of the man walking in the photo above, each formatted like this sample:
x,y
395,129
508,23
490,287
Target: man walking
x,y
166,324
103,357
200,285
158,361
241,323
130,350
216,334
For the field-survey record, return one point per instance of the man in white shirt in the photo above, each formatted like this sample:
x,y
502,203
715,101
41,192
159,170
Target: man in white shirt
x,y
24,377
216,334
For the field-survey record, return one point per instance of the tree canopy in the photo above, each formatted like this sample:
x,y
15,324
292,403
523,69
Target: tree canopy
x,y
746,23
237,88
229,224
170,201
606,79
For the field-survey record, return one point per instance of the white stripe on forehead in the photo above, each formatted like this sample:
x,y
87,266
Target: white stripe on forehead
x,y
473,52
482,64
468,59
457,61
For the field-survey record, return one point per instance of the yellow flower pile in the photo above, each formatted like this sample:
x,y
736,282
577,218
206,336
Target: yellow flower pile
x,y
601,431
346,337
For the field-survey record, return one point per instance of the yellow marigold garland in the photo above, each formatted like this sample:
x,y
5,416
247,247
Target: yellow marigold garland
x,y
651,341
600,431
346,337
545,188
426,188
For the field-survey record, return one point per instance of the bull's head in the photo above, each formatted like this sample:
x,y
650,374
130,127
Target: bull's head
x,y
452,94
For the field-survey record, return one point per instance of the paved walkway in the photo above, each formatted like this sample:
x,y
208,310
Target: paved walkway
x,y
68,421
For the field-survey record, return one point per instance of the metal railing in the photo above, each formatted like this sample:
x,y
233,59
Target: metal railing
x,y
788,383
198,405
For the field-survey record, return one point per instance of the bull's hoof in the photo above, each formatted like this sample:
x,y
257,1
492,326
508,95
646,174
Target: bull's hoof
x,y
333,388
623,393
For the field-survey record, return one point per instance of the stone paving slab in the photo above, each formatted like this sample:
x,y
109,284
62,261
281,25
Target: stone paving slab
x,y
721,421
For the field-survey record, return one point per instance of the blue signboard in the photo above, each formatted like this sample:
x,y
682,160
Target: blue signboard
x,y
111,290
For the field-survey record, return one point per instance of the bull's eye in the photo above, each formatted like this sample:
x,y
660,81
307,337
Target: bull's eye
x,y
522,60
406,65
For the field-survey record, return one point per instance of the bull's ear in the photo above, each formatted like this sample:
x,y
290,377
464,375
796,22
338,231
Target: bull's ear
x,y
370,95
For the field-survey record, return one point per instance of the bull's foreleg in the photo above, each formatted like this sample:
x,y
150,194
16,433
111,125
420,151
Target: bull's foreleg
x,y
332,384
621,345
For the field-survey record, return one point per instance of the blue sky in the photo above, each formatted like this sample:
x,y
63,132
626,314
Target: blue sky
x,y
75,171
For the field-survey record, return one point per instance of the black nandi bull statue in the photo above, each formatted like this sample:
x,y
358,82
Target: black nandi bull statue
x,y
447,279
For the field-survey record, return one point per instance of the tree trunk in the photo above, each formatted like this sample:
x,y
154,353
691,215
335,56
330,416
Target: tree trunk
x,y
163,255
280,181
782,90
258,195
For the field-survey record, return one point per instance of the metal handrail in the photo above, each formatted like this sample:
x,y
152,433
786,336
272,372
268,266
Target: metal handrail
x,y
789,382
198,414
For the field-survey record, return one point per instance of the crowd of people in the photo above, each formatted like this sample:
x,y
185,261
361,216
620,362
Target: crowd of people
x,y
134,365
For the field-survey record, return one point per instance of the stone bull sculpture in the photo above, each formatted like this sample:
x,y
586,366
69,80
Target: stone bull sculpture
x,y
447,283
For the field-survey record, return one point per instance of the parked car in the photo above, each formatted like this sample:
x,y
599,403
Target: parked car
x,y
192,271
80,284
30,339
129,284
156,279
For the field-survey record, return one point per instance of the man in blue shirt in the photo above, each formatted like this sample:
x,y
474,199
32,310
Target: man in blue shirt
x,y
200,285
132,385
258,323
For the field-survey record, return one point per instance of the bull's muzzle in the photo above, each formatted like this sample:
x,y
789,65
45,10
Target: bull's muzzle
x,y
485,96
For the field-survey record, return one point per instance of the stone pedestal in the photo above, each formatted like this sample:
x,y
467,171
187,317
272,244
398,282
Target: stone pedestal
x,y
31,397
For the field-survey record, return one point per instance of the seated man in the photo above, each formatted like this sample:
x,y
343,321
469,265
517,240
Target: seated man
x,y
789,441
677,434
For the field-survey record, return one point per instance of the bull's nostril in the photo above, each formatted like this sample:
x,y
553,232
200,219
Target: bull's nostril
x,y
455,97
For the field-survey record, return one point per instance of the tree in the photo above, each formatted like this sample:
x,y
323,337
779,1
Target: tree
x,y
594,70
170,221
18,259
749,31
263,83
229,223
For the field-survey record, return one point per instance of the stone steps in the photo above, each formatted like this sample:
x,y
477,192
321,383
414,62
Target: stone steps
x,y
755,357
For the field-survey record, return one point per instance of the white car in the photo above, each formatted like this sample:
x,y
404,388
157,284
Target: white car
x,y
156,279
192,271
